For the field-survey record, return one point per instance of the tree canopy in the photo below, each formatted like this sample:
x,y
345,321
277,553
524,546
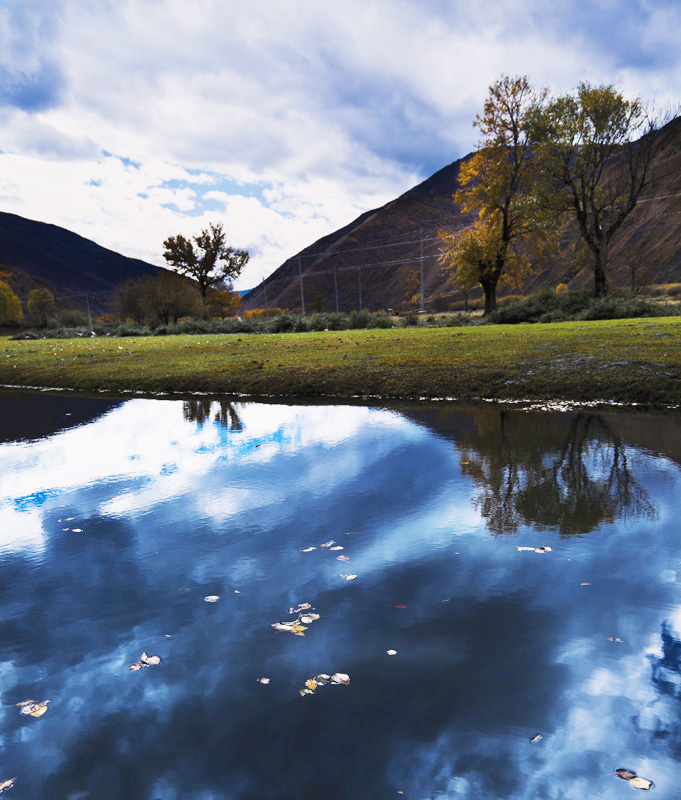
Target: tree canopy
x,y
595,148
40,305
10,307
495,184
208,259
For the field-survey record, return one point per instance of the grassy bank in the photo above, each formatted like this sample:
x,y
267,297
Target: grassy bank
x,y
624,360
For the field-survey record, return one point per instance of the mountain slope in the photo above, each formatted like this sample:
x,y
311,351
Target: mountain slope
x,y
37,254
377,257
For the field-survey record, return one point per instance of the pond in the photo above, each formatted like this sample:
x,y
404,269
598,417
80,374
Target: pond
x,y
501,589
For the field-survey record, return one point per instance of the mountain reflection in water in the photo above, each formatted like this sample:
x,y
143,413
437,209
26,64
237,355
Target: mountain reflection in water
x,y
114,531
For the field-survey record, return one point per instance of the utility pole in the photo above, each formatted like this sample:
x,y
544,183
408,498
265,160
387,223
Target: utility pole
x,y
421,264
359,281
89,315
264,286
335,286
302,295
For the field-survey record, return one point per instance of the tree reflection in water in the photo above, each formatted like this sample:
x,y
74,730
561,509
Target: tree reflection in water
x,y
570,477
199,411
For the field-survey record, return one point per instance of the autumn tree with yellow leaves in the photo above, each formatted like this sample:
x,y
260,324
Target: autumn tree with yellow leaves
x,y
511,227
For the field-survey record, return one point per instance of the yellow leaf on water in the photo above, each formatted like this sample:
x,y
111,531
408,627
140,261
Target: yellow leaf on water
x,y
347,577
6,784
311,684
39,711
585,584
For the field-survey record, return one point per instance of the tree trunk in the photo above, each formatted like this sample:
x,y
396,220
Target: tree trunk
x,y
490,290
600,280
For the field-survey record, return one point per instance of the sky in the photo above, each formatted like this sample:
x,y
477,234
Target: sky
x,y
128,121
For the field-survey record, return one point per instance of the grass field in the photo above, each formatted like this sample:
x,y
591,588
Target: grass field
x,y
631,361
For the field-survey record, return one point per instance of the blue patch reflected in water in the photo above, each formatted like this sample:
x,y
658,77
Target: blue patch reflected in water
x,y
169,502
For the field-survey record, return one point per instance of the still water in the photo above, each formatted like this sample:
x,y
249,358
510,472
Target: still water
x,y
117,519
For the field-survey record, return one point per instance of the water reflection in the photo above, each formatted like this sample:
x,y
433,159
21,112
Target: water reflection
x,y
199,411
113,533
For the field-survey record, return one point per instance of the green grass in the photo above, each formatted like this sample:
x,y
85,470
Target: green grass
x,y
623,360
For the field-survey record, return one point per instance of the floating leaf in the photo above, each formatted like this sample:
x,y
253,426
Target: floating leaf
x,y
283,626
337,547
343,558
614,639
77,530
68,519
535,738
308,618
145,661
311,684
585,584
525,548
6,784
340,677
30,707
641,783
625,774
322,679
308,549
543,549
263,680
391,652
300,607
328,544
347,577
212,598
401,606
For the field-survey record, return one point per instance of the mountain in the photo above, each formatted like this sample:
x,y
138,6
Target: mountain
x,y
374,262
36,254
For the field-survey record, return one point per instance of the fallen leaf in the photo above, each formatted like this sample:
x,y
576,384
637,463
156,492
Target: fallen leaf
x,y
308,618
283,626
641,783
6,784
236,591
337,547
308,549
524,548
543,549
328,544
263,680
212,598
614,639
77,530
311,684
68,519
405,606
347,577
535,738
145,661
300,607
585,584
625,774
343,558
340,677
391,652
30,707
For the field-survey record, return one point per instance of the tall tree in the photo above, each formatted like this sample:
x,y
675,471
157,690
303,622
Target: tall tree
x,y
596,149
494,183
40,305
209,260
10,307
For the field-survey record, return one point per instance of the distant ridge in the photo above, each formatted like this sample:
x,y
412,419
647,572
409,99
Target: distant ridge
x,y
36,253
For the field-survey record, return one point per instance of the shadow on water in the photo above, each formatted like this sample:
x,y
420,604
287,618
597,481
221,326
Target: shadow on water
x,y
27,416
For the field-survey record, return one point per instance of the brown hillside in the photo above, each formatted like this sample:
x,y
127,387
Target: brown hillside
x,y
377,256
